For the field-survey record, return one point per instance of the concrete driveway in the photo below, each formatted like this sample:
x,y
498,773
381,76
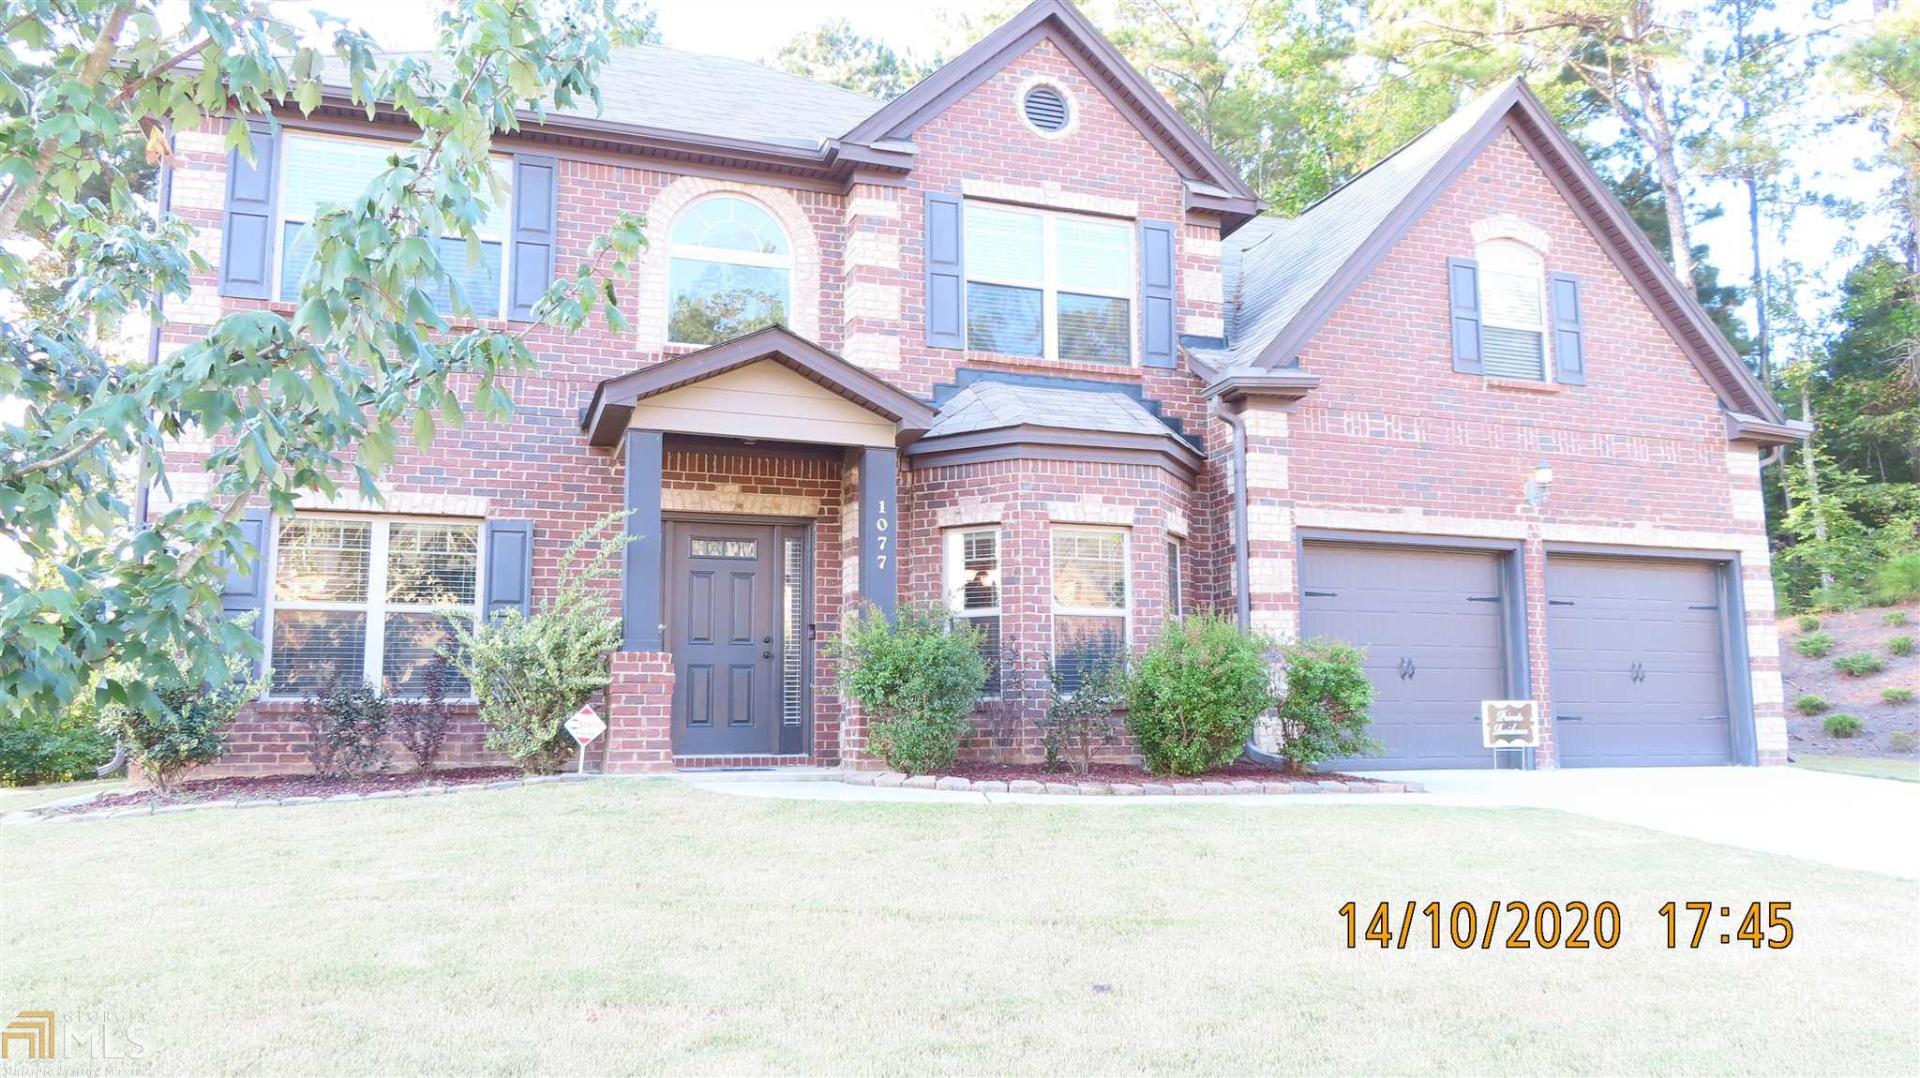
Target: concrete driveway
x,y
1838,819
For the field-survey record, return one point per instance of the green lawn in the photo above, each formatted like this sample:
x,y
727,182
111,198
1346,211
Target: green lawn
x,y
1868,767
649,927
15,798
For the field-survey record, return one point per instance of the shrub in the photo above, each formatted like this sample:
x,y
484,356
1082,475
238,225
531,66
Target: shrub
x,y
1197,694
1809,704
916,677
1814,645
1900,645
1082,718
1897,696
345,723
181,726
1859,664
1902,742
51,748
1898,580
1809,623
1324,714
531,672
421,725
1841,726
1894,617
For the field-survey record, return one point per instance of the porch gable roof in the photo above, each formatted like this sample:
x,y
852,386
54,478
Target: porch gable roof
x,y
608,413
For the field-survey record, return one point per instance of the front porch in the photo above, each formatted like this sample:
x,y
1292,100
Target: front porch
x,y
761,486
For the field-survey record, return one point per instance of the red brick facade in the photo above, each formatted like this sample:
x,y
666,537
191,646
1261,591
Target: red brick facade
x,y
1393,439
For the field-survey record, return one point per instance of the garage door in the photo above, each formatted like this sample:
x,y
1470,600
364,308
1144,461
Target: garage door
x,y
1639,674
1434,630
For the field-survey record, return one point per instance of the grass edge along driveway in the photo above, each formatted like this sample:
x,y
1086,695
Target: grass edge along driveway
x,y
646,926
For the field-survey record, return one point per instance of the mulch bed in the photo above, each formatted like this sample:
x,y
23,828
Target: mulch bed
x,y
281,787
1112,773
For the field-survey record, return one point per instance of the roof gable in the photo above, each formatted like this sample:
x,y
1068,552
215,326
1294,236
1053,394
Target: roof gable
x,y
1062,24
1291,275
613,400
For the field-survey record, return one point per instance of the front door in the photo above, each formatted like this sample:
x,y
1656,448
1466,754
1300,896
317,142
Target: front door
x,y
732,596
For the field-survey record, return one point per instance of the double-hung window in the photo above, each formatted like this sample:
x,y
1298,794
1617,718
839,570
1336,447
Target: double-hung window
x,y
1052,285
322,170
972,587
1090,600
358,599
1513,311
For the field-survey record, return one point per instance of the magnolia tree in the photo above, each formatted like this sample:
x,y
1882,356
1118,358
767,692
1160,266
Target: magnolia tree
x,y
293,404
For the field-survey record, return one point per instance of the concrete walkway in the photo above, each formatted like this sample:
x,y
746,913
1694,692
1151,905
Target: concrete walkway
x,y
1834,819
1840,820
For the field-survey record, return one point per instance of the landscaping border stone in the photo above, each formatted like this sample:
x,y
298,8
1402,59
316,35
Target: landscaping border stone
x,y
48,814
1067,786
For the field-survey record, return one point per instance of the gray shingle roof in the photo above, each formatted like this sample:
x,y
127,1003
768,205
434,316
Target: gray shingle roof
x,y
654,86
991,405
715,96
1273,266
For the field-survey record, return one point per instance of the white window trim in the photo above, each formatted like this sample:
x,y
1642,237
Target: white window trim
x,y
1124,611
373,659
1049,284
953,570
282,218
1544,305
726,256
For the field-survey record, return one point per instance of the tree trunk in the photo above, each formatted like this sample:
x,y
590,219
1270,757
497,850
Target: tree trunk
x,y
1762,346
1813,488
1659,138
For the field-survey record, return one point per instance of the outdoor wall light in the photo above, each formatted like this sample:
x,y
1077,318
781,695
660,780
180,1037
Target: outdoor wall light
x,y
1539,484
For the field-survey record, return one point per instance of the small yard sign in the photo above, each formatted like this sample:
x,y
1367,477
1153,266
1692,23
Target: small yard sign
x,y
1510,724
585,726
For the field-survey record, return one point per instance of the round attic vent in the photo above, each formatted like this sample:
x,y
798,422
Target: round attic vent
x,y
1046,109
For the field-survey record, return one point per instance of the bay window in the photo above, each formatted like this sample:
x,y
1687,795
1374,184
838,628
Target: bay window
x,y
1091,597
1046,284
369,600
318,170
972,587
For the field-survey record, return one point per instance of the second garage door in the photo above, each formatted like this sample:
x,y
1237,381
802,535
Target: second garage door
x,y
1639,672
1434,626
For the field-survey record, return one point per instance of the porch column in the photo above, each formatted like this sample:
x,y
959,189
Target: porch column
x,y
879,528
640,576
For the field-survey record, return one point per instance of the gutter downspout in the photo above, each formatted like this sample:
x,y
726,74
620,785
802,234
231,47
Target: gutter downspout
x,y
1242,584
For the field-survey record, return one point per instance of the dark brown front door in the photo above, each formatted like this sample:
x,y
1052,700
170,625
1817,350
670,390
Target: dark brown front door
x,y
721,630
730,597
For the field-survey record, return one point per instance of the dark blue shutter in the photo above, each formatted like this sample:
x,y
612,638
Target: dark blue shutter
x,y
246,244
535,180
946,323
1463,292
245,589
1569,329
509,566
1156,294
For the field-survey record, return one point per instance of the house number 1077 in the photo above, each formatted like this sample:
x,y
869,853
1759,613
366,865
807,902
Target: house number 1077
x,y
880,536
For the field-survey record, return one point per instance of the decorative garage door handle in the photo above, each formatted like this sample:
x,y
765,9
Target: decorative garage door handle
x,y
1407,669
1639,672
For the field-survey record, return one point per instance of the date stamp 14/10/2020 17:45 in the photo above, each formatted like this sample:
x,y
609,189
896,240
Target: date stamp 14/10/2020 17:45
x,y
1570,926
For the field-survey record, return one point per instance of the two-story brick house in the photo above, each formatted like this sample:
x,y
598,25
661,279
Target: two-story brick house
x,y
1019,343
